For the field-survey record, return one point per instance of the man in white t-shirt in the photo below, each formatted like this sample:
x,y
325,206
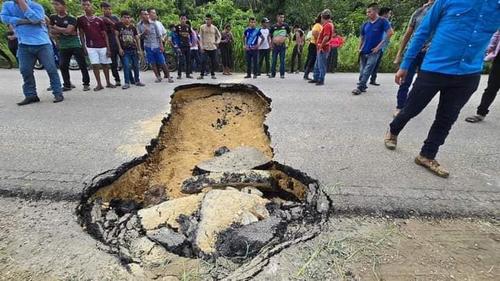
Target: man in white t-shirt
x,y
265,48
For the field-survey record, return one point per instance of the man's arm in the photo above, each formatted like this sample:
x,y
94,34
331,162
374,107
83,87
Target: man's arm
x,y
386,40
118,43
424,31
404,43
34,14
217,35
106,38
5,15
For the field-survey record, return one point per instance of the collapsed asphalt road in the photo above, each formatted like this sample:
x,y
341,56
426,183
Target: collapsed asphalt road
x,y
316,131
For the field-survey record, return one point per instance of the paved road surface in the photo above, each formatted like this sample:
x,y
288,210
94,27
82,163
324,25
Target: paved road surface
x,y
48,150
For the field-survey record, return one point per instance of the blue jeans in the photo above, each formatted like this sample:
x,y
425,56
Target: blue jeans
x,y
455,91
373,78
405,87
28,55
130,63
367,63
320,66
252,58
281,51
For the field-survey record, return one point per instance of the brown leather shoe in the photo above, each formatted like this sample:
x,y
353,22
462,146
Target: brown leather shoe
x,y
432,165
390,140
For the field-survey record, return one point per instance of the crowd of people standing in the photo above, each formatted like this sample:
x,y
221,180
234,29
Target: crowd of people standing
x,y
107,39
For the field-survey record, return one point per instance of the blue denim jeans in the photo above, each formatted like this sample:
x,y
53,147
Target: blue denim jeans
x,y
405,87
130,63
28,55
281,51
367,63
373,77
320,66
455,91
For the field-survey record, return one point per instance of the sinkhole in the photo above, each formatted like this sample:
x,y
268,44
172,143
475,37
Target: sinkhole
x,y
208,187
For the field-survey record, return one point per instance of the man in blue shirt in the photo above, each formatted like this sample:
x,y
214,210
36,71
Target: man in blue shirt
x,y
251,40
386,13
28,19
372,41
452,66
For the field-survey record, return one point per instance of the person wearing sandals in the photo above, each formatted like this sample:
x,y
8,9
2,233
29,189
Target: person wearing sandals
x,y
129,45
153,45
463,29
226,50
490,93
95,39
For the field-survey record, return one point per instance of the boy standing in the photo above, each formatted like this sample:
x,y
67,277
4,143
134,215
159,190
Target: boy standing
x,y
265,46
129,44
250,38
279,34
183,46
324,47
93,35
63,26
110,20
209,38
153,45
372,41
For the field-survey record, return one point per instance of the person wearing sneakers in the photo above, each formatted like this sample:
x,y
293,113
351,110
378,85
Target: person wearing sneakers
x,y
129,45
95,39
209,38
153,45
415,20
454,73
491,91
28,19
63,27
371,43
251,37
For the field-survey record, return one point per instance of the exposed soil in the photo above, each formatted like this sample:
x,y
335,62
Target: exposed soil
x,y
202,120
363,248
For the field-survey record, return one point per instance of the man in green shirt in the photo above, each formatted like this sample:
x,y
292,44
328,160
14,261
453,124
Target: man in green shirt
x,y
63,28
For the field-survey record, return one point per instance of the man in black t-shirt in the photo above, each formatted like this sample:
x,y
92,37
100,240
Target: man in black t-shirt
x,y
63,28
279,34
110,21
183,46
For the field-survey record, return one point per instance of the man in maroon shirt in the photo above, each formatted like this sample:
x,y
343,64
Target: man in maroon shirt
x,y
95,39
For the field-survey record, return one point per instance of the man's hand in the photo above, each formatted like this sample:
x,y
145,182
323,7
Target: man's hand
x,y
121,52
375,50
401,76
23,21
108,52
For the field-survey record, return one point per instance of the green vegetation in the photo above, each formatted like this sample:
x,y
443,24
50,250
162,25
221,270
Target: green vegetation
x,y
348,17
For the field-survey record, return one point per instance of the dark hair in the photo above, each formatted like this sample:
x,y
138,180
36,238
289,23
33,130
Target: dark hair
x,y
251,19
373,6
384,11
318,19
151,9
227,25
82,1
296,26
105,5
183,15
62,2
280,14
326,16
125,13
208,16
